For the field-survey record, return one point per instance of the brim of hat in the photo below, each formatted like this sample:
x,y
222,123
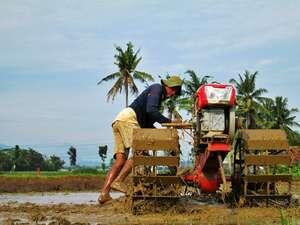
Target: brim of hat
x,y
169,84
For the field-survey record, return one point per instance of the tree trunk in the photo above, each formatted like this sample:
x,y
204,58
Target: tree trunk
x,y
247,122
250,121
170,113
126,90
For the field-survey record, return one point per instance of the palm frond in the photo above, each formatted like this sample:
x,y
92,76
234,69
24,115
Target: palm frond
x,y
142,76
197,81
116,88
109,77
132,86
257,93
135,60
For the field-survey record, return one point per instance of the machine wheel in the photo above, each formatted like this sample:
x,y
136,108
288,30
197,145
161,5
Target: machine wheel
x,y
255,178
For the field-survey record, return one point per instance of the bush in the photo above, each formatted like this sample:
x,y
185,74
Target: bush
x,y
285,169
17,159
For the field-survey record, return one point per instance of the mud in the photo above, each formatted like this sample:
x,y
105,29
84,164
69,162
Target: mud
x,y
118,212
43,184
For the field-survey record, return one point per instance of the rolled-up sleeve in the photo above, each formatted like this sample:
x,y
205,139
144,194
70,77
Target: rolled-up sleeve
x,y
153,104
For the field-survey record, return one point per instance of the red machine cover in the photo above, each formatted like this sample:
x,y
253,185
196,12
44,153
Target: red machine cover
x,y
203,100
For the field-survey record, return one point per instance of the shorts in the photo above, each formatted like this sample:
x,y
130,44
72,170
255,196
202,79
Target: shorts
x,y
122,132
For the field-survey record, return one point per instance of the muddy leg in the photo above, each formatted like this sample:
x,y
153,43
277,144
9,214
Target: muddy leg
x,y
114,172
126,170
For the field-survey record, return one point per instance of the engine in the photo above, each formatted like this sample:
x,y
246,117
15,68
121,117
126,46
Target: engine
x,y
214,130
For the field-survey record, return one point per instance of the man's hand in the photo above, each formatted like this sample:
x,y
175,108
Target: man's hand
x,y
177,118
176,121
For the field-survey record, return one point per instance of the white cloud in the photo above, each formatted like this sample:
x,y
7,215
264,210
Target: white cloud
x,y
264,62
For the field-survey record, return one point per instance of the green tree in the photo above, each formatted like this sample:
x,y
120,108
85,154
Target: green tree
x,y
264,117
170,105
6,162
54,163
21,162
294,140
23,159
35,159
283,116
191,85
275,114
29,160
247,96
127,61
102,151
72,155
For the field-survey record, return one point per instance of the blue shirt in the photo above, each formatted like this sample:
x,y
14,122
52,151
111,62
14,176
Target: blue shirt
x,y
147,105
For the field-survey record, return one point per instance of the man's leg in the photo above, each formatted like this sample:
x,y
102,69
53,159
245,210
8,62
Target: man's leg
x,y
126,131
114,171
119,184
125,170
111,176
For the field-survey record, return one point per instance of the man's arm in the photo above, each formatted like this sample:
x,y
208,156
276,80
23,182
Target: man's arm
x,y
152,107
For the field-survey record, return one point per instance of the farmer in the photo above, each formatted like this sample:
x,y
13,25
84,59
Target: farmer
x,y
143,112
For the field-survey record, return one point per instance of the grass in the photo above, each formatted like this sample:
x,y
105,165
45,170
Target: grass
x,y
285,220
93,171
75,172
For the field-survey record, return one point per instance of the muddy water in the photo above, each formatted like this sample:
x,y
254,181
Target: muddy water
x,y
118,212
55,197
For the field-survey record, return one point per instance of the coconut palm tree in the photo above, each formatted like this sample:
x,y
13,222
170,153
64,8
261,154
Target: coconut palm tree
x,y
275,114
283,116
192,85
72,152
248,96
264,117
294,140
190,89
171,105
102,151
127,61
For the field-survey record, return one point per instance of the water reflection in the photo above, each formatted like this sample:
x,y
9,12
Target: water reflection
x,y
55,197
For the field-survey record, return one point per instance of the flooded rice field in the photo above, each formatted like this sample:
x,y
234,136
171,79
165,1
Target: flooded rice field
x,y
77,208
54,197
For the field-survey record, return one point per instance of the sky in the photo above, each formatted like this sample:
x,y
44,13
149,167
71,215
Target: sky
x,y
53,53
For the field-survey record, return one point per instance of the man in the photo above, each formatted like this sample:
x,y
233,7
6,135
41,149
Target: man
x,y
143,112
